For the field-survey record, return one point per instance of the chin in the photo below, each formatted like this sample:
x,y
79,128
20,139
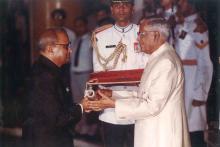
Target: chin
x,y
67,59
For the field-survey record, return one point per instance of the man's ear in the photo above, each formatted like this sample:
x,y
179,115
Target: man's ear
x,y
156,35
49,49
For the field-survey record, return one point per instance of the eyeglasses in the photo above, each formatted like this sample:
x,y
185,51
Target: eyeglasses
x,y
66,46
142,34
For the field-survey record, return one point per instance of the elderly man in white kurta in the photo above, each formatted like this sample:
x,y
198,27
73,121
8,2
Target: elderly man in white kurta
x,y
158,111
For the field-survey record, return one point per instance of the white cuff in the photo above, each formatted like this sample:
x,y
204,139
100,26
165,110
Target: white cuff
x,y
81,107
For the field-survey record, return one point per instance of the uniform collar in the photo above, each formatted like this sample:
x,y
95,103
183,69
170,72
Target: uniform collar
x,y
123,29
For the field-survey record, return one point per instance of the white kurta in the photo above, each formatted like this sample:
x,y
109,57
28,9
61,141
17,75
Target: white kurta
x,y
158,111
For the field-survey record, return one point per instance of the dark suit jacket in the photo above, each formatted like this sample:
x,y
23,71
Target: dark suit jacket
x,y
49,114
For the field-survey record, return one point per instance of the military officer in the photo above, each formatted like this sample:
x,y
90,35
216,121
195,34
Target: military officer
x,y
192,45
115,47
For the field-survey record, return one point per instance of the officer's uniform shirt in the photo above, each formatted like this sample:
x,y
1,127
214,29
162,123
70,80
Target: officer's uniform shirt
x,y
107,40
193,49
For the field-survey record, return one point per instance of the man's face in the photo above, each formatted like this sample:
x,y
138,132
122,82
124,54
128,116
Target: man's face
x,y
146,39
61,50
80,27
58,20
122,11
183,6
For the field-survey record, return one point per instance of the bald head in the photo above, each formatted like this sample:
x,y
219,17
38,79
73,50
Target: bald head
x,y
49,37
54,45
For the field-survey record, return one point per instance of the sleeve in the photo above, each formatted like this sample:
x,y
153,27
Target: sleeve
x,y
71,117
95,60
162,78
204,68
96,47
124,94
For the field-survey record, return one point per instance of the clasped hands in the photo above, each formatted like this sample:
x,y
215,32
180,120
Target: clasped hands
x,y
102,100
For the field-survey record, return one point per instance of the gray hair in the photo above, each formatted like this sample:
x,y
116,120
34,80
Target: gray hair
x,y
160,25
49,37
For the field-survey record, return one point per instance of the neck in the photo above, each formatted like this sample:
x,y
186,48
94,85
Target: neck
x,y
50,58
123,24
80,34
160,43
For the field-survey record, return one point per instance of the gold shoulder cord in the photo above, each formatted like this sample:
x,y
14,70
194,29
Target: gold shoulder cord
x,y
120,48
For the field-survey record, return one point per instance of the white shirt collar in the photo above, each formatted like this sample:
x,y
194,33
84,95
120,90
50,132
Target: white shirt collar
x,y
123,29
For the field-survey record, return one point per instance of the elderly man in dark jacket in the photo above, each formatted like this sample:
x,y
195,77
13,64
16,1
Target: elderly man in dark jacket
x,y
49,112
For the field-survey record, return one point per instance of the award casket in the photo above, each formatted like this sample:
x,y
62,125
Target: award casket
x,y
122,77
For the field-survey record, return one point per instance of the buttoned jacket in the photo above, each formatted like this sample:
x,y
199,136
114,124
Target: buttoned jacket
x,y
158,111
49,113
